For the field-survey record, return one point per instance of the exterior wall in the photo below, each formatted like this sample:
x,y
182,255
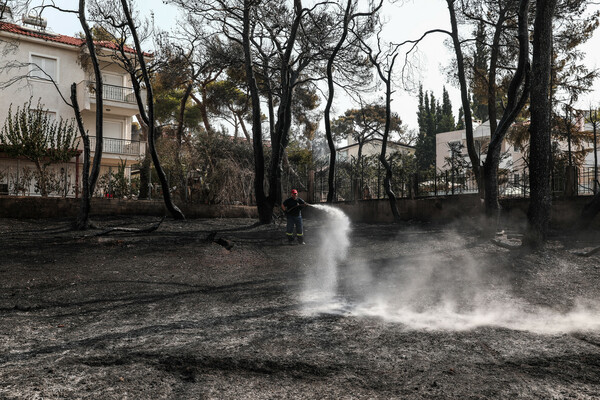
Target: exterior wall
x,y
17,173
441,146
481,135
372,148
68,71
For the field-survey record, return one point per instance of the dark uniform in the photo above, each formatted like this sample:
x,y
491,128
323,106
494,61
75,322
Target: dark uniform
x,y
293,209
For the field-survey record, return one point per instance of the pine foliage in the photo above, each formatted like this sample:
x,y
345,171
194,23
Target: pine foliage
x,y
433,118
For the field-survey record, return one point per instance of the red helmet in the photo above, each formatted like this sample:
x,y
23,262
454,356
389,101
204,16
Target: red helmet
x,y
294,191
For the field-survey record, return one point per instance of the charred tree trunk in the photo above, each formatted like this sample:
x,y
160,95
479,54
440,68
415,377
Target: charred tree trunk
x,y
538,214
89,179
330,95
464,94
83,215
348,17
265,212
204,112
149,117
517,96
180,128
284,112
387,181
590,211
146,166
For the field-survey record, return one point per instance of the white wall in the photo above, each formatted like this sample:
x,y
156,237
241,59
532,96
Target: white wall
x,y
69,71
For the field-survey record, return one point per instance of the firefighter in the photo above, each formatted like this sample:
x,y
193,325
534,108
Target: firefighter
x,y
293,210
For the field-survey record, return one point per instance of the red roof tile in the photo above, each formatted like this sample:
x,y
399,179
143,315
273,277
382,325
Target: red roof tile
x,y
51,37
19,30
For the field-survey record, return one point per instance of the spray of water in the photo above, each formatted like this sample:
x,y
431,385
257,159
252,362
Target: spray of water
x,y
320,283
447,286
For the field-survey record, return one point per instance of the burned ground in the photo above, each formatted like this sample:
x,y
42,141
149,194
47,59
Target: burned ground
x,y
172,315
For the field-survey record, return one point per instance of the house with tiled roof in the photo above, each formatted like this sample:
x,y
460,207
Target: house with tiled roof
x,y
39,64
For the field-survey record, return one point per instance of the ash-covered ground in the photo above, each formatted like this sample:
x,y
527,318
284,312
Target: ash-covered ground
x,y
362,311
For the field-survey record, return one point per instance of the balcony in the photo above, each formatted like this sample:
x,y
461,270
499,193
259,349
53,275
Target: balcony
x,y
118,100
124,147
114,93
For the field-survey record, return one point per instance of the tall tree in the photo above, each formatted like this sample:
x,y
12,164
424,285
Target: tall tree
x,y
349,15
147,110
115,17
464,94
184,60
446,118
517,96
433,118
279,42
538,215
383,61
479,68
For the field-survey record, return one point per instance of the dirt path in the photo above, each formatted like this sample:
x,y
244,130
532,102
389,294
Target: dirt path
x,y
416,312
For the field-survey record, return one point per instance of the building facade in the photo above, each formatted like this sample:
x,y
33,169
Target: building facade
x,y
371,147
512,156
42,66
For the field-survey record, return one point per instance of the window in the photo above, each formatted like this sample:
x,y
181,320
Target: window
x,y
113,135
44,68
113,87
113,129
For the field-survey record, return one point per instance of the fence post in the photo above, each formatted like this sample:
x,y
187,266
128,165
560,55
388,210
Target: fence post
x,y
378,180
416,184
311,185
524,182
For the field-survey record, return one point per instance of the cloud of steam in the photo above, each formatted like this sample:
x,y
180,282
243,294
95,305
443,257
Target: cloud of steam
x,y
446,286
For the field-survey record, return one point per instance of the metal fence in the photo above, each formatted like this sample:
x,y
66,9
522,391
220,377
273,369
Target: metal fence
x,y
352,183
20,178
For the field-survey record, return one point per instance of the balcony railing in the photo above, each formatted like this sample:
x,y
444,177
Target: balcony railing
x,y
114,93
120,146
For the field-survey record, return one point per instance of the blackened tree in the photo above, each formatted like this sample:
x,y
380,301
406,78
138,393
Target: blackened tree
x,y
538,214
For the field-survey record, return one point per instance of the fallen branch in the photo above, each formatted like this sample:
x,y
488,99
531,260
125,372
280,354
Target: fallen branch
x,y
589,253
221,241
505,245
151,228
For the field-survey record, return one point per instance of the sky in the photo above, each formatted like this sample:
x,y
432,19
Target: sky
x,y
407,19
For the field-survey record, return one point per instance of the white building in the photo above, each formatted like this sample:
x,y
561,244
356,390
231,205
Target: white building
x,y
31,56
371,147
512,156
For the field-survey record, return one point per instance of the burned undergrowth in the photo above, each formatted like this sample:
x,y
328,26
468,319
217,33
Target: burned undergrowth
x,y
411,311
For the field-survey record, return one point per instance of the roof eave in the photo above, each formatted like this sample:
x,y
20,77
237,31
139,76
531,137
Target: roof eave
x,y
47,42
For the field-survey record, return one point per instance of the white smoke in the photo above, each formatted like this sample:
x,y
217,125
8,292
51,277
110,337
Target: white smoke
x,y
320,284
447,286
